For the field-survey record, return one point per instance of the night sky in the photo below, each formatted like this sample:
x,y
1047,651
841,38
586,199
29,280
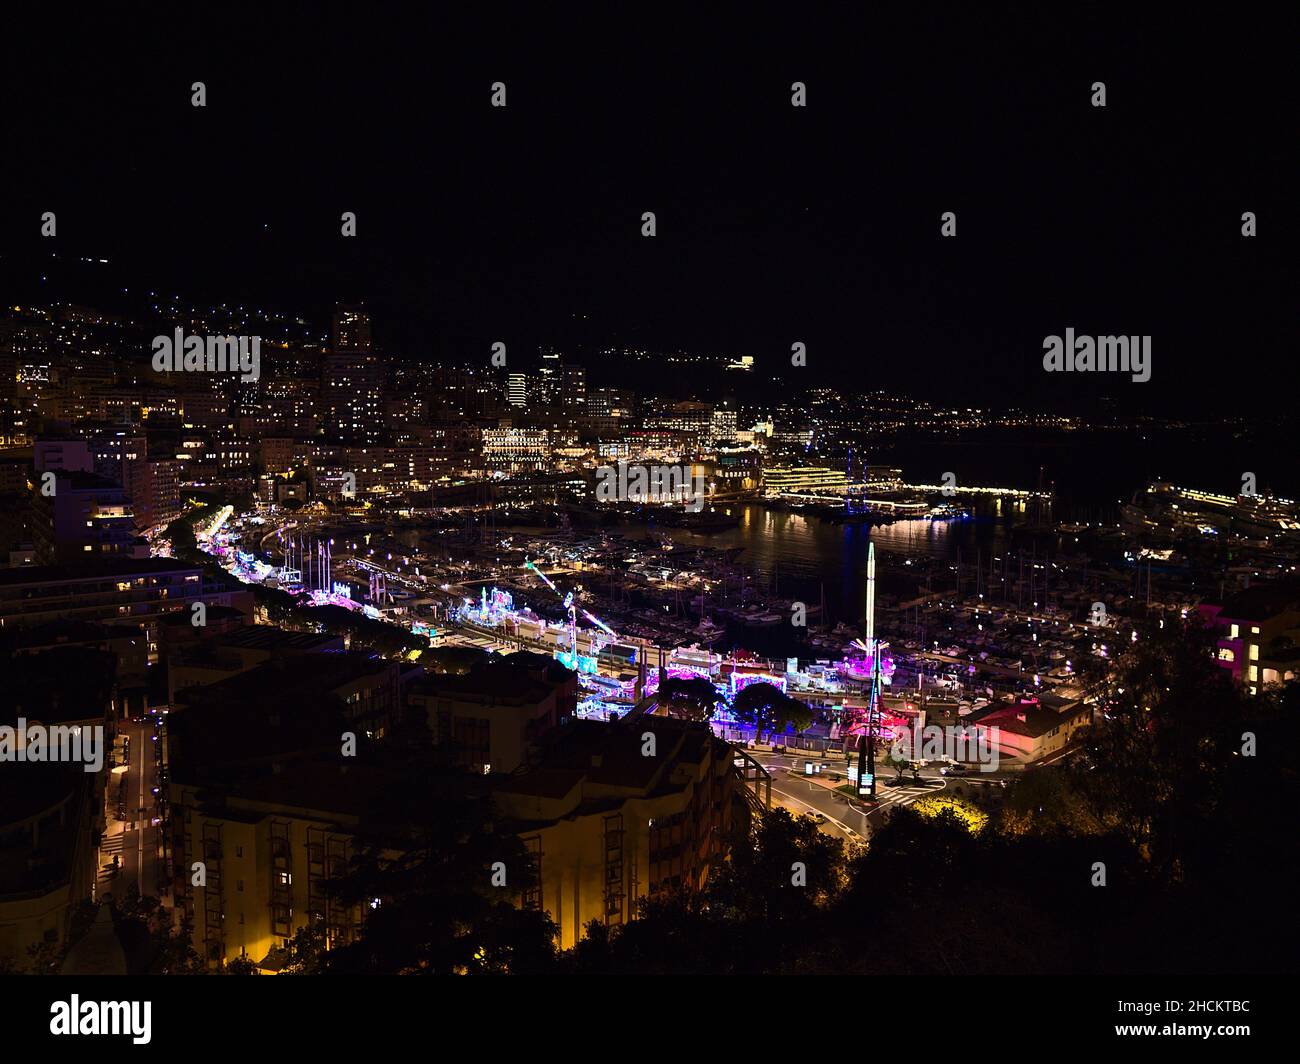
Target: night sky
x,y
775,224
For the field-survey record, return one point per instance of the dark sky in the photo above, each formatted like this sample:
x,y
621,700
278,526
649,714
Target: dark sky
x,y
775,224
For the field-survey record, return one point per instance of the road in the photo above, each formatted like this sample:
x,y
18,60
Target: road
x,y
844,817
134,839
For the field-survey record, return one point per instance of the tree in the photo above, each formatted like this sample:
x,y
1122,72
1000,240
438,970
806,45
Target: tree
x,y
305,954
765,706
165,946
1160,739
439,883
759,880
898,763
279,605
1047,800
764,910
694,698
385,639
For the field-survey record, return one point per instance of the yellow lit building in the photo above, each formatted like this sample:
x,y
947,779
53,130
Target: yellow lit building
x,y
613,814
253,865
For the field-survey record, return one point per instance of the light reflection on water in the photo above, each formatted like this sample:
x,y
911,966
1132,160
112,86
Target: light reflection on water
x,y
799,554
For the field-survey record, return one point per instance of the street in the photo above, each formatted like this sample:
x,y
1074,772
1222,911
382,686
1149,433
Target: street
x,y
134,839
844,817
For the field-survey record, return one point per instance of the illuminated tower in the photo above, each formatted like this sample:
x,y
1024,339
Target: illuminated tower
x,y
867,744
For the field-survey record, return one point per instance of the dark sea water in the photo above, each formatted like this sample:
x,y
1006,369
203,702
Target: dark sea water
x,y
1092,474
800,557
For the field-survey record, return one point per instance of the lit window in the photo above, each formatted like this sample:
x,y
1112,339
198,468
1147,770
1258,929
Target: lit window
x,y
1254,651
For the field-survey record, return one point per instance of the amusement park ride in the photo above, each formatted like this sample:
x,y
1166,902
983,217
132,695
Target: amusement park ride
x,y
586,649
497,609
307,569
615,672
867,740
572,609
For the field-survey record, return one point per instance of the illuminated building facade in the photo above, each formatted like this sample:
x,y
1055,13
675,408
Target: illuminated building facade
x,y
118,591
810,480
352,381
517,389
86,515
155,490
1258,630
514,450
607,826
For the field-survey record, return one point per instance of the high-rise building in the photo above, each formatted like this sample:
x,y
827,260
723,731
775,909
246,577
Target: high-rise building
x,y
490,718
352,381
722,426
574,388
154,487
517,389
458,393
351,328
550,378
611,402
67,456
85,515
607,828
694,419
111,447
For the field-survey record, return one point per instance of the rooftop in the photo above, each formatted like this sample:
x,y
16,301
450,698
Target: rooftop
x,y
268,637
57,685
1261,602
103,567
1038,720
611,756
